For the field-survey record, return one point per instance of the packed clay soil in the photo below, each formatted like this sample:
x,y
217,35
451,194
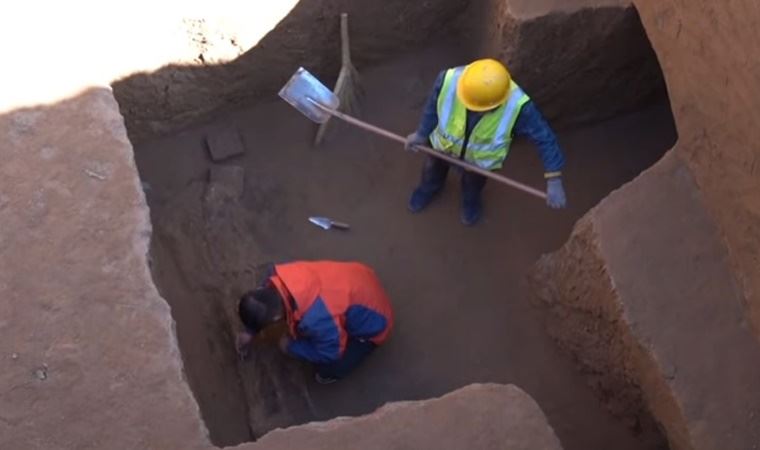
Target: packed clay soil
x,y
461,304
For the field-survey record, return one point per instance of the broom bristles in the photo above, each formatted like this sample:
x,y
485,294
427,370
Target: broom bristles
x,y
347,87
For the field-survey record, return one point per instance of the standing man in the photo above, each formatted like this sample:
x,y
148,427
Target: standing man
x,y
472,114
336,314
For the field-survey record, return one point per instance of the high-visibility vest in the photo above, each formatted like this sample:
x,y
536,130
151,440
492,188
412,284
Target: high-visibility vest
x,y
492,136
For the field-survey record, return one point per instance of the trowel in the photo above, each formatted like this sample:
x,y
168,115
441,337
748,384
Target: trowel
x,y
326,224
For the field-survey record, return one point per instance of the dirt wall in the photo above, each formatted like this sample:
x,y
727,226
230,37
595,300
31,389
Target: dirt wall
x,y
583,314
239,400
586,316
89,355
582,61
173,96
644,297
708,53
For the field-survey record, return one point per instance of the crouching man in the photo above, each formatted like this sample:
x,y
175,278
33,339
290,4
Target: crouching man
x,y
336,314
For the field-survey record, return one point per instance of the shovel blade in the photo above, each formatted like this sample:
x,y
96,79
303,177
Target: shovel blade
x,y
303,90
322,222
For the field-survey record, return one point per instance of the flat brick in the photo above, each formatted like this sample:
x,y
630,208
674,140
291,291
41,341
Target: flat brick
x,y
224,143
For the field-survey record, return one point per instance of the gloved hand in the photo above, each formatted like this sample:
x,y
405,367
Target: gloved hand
x,y
555,193
414,139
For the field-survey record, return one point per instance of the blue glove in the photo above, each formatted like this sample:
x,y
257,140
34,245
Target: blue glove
x,y
555,193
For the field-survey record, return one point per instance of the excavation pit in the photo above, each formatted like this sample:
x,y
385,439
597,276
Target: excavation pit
x,y
462,308
651,288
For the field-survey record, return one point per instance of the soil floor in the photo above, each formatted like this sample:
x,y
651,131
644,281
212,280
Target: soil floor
x,y
461,306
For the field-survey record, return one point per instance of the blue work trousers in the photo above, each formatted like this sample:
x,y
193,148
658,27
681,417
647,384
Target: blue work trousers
x,y
434,176
356,351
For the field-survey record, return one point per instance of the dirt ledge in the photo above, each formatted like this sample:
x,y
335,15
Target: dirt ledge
x,y
585,316
89,354
476,417
644,297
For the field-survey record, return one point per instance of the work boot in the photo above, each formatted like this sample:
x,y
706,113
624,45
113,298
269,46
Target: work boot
x,y
420,199
471,212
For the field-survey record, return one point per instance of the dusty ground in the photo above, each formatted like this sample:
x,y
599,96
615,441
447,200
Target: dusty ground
x,y
458,292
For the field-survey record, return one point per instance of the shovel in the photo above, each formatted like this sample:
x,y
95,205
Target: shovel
x,y
317,102
326,224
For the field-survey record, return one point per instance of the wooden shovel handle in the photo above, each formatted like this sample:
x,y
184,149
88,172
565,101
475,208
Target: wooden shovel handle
x,y
396,137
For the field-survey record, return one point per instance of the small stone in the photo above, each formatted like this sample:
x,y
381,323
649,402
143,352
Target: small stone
x,y
96,175
41,373
14,356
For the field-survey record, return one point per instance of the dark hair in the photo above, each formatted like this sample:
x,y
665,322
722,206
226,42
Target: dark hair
x,y
260,307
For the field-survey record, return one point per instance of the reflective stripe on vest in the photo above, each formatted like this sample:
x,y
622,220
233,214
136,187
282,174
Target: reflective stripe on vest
x,y
492,136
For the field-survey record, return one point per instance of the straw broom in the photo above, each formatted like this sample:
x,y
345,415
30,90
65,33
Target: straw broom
x,y
347,87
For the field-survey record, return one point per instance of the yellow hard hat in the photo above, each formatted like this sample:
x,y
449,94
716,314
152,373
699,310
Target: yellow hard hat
x,y
484,85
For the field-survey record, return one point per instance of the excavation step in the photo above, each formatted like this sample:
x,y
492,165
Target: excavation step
x,y
476,417
644,297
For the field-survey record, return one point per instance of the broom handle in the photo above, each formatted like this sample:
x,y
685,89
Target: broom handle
x,y
486,173
345,48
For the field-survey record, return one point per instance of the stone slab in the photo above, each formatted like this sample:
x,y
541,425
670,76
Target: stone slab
x,y
224,144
